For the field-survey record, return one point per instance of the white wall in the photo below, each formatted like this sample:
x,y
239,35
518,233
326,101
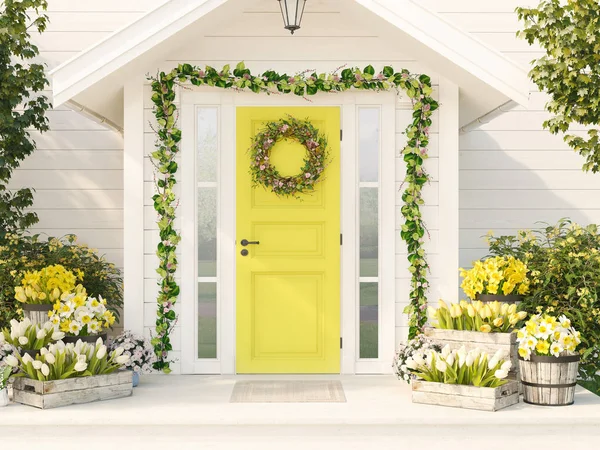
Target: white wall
x,y
259,35
512,172
77,169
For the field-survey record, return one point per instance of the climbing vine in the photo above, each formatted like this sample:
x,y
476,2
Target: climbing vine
x,y
417,87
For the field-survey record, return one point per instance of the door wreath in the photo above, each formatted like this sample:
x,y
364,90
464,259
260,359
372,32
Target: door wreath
x,y
317,154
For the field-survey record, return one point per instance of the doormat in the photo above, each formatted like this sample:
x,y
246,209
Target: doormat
x,y
288,392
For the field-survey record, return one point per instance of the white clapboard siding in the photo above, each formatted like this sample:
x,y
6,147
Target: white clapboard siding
x,y
77,170
520,160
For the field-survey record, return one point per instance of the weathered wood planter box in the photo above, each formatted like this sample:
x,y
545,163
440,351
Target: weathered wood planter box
x,y
487,342
52,394
469,397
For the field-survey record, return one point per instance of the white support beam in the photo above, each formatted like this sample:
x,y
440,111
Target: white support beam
x,y
133,192
449,189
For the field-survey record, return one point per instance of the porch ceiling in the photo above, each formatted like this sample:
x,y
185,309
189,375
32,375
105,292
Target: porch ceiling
x,y
334,32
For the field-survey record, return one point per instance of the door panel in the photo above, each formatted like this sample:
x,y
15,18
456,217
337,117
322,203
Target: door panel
x,y
288,287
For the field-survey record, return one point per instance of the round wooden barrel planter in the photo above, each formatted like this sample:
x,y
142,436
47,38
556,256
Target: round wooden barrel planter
x,y
488,298
38,314
549,380
88,339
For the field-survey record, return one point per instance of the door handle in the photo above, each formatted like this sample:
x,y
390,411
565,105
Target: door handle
x,y
246,242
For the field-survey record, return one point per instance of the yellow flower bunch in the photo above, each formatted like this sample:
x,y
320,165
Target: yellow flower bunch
x,y
47,285
503,275
79,315
493,317
546,335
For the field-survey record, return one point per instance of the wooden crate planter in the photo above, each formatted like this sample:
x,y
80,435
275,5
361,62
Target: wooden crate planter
x,y
469,397
487,342
548,380
52,394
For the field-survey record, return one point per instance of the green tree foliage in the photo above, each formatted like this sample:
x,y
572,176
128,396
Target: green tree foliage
x,y
21,108
569,71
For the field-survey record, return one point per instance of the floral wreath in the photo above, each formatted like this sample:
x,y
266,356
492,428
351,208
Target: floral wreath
x,y
265,174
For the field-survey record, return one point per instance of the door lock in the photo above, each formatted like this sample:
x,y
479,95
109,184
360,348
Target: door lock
x,y
246,242
244,252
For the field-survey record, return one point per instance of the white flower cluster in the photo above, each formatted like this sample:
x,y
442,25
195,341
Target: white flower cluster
x,y
406,352
140,351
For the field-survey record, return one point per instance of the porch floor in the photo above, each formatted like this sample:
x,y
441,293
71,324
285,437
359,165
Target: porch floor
x,y
178,409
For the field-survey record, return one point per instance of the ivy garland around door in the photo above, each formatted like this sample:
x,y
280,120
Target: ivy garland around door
x,y
417,88
265,174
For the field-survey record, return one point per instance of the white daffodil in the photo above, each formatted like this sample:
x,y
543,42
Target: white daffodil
x,y
122,359
556,349
23,340
525,353
50,358
74,327
37,365
45,370
11,361
530,342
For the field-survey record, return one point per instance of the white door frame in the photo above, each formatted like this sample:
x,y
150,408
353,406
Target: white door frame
x,y
227,103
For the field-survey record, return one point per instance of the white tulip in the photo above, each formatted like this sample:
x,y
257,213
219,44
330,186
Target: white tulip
x,y
450,359
441,365
43,351
37,365
119,351
101,352
50,359
23,340
45,370
2,338
446,350
469,360
501,374
122,359
41,334
57,335
7,347
14,324
99,341
506,365
80,366
81,358
411,364
11,361
27,358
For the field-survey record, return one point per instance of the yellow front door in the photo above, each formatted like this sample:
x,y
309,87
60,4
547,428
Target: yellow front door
x,y
288,285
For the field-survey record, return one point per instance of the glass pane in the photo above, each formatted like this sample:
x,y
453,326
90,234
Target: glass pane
x,y
368,232
207,144
207,232
368,141
369,320
207,320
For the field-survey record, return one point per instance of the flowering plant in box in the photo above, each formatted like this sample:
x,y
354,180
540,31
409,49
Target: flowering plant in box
x,y
28,336
80,315
504,275
140,351
474,368
546,335
47,285
60,361
406,351
492,317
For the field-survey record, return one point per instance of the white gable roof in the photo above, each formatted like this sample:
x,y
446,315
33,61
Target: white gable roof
x,y
487,78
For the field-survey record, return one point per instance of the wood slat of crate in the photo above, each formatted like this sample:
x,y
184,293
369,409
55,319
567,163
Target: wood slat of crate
x,y
53,394
469,397
487,342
